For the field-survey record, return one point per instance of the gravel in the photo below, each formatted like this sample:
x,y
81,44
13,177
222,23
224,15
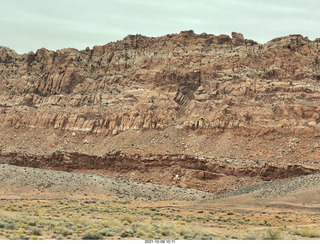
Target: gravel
x,y
277,188
25,181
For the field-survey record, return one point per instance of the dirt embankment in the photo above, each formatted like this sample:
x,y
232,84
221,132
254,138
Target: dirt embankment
x,y
205,174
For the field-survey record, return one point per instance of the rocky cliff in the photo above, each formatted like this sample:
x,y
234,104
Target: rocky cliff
x,y
221,98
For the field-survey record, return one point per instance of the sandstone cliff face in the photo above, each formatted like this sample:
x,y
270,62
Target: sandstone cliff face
x,y
194,94
186,80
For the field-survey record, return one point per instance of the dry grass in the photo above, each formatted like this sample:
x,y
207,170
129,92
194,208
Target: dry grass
x,y
92,219
88,220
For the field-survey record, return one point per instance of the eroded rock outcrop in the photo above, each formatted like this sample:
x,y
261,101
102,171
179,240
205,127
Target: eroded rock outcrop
x,y
198,94
207,174
185,80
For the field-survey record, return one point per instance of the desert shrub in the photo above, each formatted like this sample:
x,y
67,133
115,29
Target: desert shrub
x,y
158,218
2,225
106,224
207,236
127,218
115,229
59,237
36,232
66,233
24,237
39,211
273,234
309,232
264,222
189,236
164,231
188,219
32,223
127,233
157,236
140,233
107,232
16,236
151,234
251,235
11,226
92,235
125,223
173,234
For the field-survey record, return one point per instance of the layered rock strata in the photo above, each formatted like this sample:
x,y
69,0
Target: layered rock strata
x,y
194,94
186,171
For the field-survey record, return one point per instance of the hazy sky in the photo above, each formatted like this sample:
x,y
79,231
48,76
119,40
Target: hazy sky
x,y
27,25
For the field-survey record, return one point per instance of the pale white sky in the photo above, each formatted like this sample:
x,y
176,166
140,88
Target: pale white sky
x,y
27,25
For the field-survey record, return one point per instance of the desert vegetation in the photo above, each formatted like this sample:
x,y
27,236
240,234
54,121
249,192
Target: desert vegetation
x,y
94,219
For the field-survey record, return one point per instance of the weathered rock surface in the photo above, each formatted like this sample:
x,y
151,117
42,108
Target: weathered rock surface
x,y
186,171
202,95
